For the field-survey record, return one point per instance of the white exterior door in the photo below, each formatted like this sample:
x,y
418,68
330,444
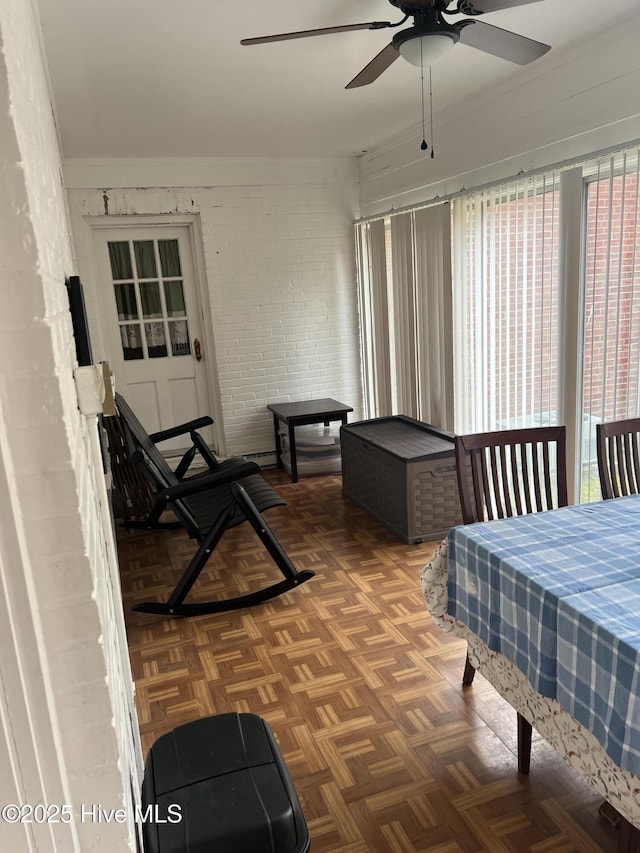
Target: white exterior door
x,y
153,322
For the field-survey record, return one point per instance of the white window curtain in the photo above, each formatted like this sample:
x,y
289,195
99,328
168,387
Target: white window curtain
x,y
403,325
406,315
506,305
374,318
434,309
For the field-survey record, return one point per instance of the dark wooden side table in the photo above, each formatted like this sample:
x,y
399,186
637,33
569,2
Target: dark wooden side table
x,y
298,414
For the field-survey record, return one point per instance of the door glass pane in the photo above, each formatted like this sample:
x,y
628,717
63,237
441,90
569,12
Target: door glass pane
x,y
150,299
169,258
179,333
159,303
120,258
174,297
126,301
156,342
145,258
131,342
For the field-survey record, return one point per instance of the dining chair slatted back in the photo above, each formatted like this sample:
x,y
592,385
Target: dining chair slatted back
x,y
507,473
618,450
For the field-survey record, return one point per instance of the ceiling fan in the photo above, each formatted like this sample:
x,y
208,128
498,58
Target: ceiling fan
x,y
432,36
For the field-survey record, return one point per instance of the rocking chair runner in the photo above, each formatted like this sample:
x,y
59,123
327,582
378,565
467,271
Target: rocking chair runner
x,y
205,505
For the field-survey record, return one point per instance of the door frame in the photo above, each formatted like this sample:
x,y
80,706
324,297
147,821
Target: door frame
x,y
191,222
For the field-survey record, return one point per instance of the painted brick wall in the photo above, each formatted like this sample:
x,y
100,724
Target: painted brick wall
x,y
283,298
64,668
280,273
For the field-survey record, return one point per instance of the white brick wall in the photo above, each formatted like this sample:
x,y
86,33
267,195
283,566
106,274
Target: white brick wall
x,y
280,274
64,735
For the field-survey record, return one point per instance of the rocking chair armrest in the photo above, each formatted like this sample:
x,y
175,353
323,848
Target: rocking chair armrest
x,y
206,481
181,429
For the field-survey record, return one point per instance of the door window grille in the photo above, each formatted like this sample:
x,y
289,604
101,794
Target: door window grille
x,y
149,294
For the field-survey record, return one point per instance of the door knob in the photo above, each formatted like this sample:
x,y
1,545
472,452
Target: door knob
x,y
197,349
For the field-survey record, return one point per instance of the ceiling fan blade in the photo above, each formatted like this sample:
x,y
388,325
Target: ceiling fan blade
x,y
374,69
502,43
483,7
372,25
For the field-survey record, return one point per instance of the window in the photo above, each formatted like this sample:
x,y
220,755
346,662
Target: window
x,y
546,306
611,351
506,305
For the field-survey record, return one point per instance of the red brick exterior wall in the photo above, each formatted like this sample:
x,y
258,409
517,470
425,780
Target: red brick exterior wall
x,y
515,313
612,298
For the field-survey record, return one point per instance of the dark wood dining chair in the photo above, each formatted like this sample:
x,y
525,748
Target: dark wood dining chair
x,y
507,473
618,450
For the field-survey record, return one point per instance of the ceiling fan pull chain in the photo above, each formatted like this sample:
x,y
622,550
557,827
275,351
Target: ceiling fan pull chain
x,y
431,111
423,145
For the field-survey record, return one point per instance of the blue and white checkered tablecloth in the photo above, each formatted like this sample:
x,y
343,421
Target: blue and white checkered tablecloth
x,y
520,584
598,678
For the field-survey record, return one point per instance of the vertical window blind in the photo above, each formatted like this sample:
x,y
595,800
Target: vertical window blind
x,y
374,317
515,309
611,351
505,280
404,264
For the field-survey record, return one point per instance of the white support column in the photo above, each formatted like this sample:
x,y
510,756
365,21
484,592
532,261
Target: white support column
x,y
68,733
571,321
29,736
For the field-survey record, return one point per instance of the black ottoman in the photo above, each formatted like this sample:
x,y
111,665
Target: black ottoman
x,y
226,778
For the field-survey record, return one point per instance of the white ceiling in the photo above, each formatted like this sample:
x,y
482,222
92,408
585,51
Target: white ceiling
x,y
169,78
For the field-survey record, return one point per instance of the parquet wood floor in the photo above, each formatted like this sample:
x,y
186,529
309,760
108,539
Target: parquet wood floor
x,y
387,751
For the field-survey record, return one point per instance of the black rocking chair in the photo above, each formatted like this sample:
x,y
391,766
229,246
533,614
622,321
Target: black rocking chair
x,y
205,505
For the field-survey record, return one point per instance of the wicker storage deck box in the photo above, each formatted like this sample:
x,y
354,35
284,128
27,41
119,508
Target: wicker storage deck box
x,y
403,472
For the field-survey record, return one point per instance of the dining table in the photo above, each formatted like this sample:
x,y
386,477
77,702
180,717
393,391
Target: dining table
x,y
549,604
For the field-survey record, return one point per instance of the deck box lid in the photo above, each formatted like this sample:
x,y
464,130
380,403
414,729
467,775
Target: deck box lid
x,y
404,437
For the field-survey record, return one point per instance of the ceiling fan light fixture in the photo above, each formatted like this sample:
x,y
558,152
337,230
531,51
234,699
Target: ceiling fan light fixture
x,y
427,49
